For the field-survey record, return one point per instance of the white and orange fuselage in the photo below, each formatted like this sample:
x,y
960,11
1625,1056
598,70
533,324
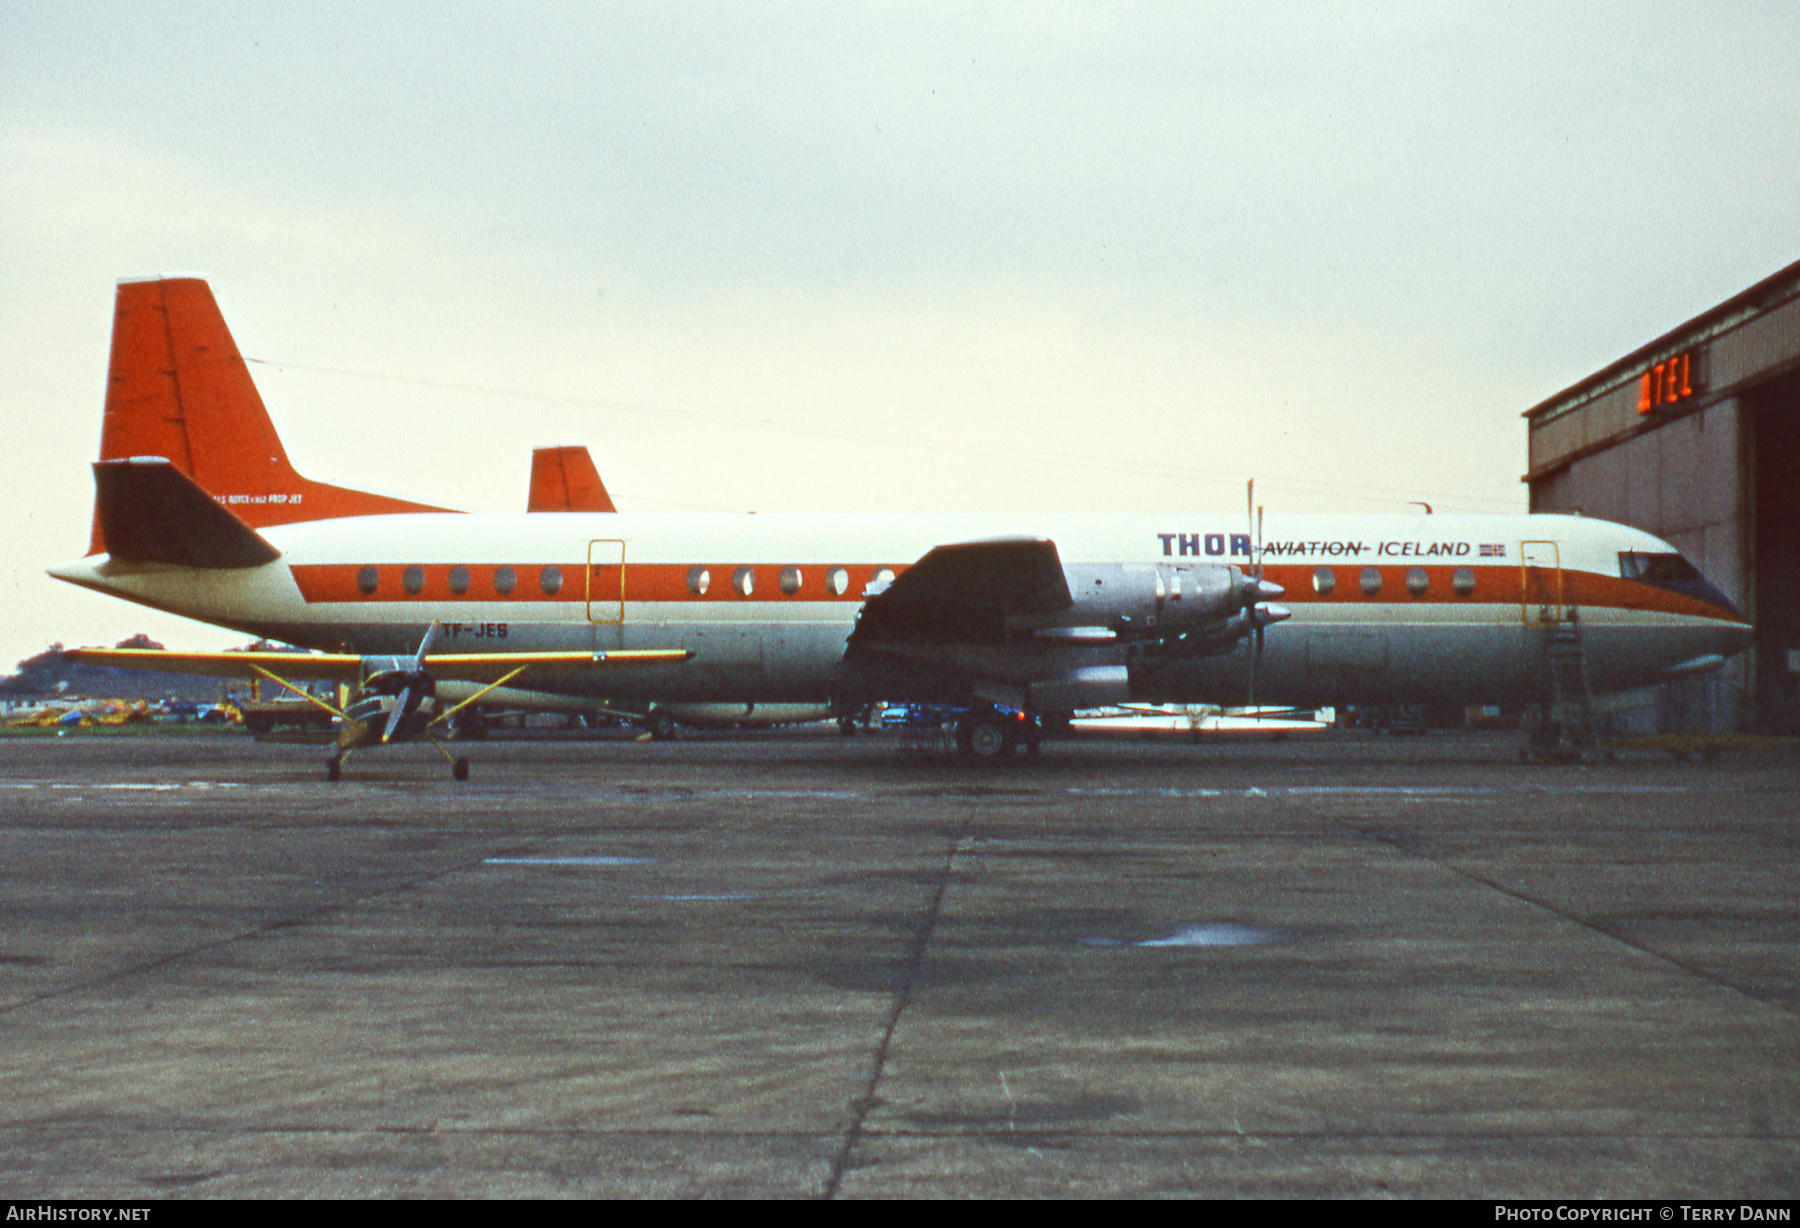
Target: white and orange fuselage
x,y
1384,608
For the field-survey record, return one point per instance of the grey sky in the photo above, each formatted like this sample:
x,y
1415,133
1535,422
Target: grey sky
x,y
1322,245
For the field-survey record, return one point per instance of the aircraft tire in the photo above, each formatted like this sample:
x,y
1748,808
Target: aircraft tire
x,y
982,738
847,726
334,771
460,769
661,725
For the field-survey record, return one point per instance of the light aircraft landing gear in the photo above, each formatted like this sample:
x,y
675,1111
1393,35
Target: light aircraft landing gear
x,y
459,766
661,725
847,726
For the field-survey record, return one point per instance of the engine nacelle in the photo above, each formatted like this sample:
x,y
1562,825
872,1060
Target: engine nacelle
x,y
1138,601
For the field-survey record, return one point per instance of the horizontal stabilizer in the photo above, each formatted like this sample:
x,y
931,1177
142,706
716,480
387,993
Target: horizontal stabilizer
x,y
151,512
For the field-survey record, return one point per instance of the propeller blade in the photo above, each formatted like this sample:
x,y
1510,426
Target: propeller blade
x,y
424,646
399,711
1255,660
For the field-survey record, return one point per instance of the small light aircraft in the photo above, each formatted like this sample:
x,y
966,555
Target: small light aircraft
x,y
392,691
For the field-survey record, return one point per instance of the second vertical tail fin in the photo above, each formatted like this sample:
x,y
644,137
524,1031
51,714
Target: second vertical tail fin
x,y
565,480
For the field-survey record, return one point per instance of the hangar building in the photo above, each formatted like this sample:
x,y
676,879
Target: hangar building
x,y
1696,437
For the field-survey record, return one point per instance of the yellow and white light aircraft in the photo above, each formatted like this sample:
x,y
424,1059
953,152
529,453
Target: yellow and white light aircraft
x,y
198,512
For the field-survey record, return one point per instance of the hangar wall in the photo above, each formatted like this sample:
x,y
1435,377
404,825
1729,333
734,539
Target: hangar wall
x,y
1696,437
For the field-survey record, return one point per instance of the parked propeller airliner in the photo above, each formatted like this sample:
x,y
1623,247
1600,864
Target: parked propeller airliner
x,y
199,513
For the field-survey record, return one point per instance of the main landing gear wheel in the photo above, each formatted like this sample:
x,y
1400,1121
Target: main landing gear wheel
x,y
661,725
460,769
334,769
847,726
985,737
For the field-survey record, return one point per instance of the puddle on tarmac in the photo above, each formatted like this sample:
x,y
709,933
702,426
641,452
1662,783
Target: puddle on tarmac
x,y
1216,934
564,861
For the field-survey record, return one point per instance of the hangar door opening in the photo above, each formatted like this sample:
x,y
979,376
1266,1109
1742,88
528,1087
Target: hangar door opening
x,y
1775,551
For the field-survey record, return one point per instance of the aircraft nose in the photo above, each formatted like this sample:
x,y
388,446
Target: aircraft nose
x,y
1735,638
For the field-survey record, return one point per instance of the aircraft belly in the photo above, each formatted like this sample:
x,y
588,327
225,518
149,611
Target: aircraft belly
x,y
1335,664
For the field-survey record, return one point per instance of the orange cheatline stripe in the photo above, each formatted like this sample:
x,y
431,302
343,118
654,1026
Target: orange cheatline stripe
x,y
1495,585
336,583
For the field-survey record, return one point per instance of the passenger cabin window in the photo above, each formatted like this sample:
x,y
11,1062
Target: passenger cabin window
x,y
413,580
698,581
837,581
505,580
1324,581
789,581
550,580
1370,581
459,579
743,580
1463,581
367,579
1417,581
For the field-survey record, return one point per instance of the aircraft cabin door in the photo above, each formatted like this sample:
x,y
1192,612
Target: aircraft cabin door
x,y
606,581
1541,597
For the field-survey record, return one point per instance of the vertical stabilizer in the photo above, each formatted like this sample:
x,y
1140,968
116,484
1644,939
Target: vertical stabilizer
x,y
178,388
565,480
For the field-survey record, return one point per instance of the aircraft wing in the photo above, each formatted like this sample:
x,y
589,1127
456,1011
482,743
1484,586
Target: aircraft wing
x,y
491,666
963,594
348,667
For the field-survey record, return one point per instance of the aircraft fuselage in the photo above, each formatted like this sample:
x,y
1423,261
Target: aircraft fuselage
x,y
1439,608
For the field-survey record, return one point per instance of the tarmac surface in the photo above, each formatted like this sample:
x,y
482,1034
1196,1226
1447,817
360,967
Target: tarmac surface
x,y
800,965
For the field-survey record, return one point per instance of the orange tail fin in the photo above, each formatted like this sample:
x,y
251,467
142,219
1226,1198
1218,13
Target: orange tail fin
x,y
565,480
178,388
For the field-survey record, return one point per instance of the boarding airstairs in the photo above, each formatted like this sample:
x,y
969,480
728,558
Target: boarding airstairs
x,y
1564,731
1565,726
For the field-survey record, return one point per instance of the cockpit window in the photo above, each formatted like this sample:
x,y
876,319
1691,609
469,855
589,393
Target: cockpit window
x,y
1668,570
1656,568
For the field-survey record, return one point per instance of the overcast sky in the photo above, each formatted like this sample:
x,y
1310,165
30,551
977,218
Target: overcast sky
x,y
889,257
